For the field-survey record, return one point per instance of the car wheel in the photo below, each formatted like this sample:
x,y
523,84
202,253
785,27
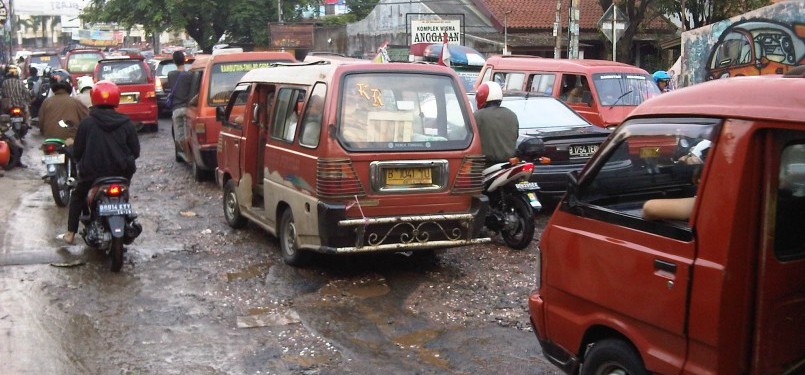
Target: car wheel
x,y
613,357
232,207
287,237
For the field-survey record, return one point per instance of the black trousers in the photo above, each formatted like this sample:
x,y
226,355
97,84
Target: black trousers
x,y
78,200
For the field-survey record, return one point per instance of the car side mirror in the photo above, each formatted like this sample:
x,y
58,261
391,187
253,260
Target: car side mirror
x,y
219,113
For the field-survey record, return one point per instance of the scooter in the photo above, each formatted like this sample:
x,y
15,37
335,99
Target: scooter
x,y
60,168
8,136
109,222
17,119
512,201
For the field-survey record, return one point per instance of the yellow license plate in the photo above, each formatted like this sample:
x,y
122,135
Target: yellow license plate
x,y
649,152
408,176
44,58
128,99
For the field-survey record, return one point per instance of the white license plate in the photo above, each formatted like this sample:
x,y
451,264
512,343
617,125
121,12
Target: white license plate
x,y
16,119
582,151
53,159
527,186
111,209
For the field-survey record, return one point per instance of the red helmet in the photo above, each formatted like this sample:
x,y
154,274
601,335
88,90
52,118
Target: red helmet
x,y
488,91
105,93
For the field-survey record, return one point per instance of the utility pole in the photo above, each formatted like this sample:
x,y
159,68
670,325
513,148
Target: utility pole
x,y
506,32
573,30
557,31
279,10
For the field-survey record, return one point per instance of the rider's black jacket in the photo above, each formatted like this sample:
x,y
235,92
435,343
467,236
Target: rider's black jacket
x,y
106,145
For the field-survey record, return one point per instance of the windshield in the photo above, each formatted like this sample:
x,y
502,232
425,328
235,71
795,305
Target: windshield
x,y
164,68
403,111
225,76
49,60
83,62
543,112
624,89
125,72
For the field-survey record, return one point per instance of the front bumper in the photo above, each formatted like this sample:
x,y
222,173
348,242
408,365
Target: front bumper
x,y
341,235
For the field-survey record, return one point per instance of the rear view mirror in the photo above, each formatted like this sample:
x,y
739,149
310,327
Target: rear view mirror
x,y
219,113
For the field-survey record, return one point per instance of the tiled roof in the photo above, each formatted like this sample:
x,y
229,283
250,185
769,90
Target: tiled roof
x,y
541,14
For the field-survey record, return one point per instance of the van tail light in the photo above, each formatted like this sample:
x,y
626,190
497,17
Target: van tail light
x,y
150,94
201,132
336,178
16,111
114,190
158,84
470,178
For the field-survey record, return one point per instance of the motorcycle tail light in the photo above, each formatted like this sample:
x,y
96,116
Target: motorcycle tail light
x,y
16,111
114,190
50,148
470,177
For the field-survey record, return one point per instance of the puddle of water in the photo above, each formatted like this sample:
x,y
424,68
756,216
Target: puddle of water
x,y
364,288
249,272
416,341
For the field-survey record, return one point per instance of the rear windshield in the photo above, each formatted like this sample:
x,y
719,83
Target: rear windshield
x,y
83,62
624,89
164,68
403,112
224,77
49,60
125,72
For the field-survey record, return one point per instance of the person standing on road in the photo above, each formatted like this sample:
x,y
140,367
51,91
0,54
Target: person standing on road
x,y
498,126
179,82
106,145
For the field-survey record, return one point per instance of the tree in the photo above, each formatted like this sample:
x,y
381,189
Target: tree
x,y
704,12
361,8
636,11
206,21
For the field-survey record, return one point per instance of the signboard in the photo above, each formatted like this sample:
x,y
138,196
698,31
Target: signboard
x,y
98,38
432,31
613,19
291,36
70,8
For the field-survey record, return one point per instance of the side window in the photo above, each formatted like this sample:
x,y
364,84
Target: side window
x,y
510,81
194,87
286,113
576,90
541,83
236,108
311,122
789,238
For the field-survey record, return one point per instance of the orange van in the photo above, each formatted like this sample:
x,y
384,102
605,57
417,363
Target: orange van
x,y
603,92
81,62
213,78
353,157
684,264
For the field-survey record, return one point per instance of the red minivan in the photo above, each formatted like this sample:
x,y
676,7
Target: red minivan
x,y
137,91
81,62
690,262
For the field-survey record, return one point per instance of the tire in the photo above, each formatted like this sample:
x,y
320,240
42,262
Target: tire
x,y
287,237
521,235
612,356
59,188
116,252
232,207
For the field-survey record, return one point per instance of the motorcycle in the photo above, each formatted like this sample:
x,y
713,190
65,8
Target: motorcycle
x,y
109,221
8,136
17,119
59,170
512,202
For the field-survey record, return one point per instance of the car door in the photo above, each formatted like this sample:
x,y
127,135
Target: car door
x,y
232,135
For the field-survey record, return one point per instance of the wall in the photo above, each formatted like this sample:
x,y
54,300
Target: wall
x,y
386,22
769,40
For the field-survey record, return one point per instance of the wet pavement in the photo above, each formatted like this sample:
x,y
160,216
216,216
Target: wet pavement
x,y
197,297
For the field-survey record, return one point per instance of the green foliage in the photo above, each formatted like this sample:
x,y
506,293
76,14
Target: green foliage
x,y
361,8
338,20
705,12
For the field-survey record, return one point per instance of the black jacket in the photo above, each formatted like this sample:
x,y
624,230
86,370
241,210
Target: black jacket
x,y
106,145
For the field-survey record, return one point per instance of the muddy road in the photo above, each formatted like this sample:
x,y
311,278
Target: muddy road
x,y
197,297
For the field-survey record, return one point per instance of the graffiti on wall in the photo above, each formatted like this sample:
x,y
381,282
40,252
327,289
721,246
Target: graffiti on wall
x,y
769,40
756,47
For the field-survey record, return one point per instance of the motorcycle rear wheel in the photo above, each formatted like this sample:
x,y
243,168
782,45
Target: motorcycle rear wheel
x,y
59,188
519,235
116,253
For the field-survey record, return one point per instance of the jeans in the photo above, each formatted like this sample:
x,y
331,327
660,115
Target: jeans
x,y
179,118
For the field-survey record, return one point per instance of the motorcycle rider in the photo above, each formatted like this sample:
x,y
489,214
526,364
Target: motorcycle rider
x,y
61,106
662,79
106,145
15,93
85,84
498,126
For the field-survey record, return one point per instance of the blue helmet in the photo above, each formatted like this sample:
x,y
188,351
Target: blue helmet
x,y
660,75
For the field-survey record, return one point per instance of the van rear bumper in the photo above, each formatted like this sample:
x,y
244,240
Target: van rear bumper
x,y
341,235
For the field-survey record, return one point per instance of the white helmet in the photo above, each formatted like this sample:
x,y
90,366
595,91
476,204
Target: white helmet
x,y
85,82
488,91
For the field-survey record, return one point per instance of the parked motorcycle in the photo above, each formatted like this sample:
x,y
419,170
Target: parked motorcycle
x,y
109,221
59,170
512,202
8,136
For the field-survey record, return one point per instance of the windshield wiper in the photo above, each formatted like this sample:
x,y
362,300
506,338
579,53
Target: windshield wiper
x,y
620,97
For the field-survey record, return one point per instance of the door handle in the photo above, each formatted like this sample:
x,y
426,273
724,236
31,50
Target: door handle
x,y
661,265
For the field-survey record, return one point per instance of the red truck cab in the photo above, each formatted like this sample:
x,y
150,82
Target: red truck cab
x,y
712,284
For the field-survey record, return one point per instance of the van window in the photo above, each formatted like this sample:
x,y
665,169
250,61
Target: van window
x,y
541,83
509,80
83,62
48,60
286,113
402,111
124,72
311,122
624,89
237,107
224,76
195,86
576,90
789,238
643,162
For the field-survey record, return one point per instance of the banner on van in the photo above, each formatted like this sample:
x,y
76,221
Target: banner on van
x,y
239,66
